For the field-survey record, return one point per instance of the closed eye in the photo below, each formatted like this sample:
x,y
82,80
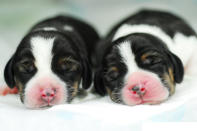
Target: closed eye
x,y
26,66
68,64
112,74
152,58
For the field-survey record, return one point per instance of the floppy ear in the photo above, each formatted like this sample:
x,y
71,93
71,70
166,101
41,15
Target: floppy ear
x,y
178,69
9,73
98,83
87,75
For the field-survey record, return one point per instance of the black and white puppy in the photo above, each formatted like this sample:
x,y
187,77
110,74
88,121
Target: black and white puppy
x,y
51,61
143,57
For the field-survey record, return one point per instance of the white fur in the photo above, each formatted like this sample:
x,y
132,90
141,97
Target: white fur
x,y
42,52
46,29
68,28
184,47
152,30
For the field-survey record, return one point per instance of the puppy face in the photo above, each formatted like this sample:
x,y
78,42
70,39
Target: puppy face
x,y
47,68
138,69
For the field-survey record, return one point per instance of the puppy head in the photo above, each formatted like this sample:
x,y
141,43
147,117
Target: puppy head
x,y
138,69
47,68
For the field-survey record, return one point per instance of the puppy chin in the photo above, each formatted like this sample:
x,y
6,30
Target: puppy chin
x,y
150,90
45,92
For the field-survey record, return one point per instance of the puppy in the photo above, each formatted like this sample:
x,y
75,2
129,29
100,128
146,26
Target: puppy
x,y
143,57
51,61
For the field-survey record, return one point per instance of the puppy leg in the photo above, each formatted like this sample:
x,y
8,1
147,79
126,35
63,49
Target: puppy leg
x,y
6,90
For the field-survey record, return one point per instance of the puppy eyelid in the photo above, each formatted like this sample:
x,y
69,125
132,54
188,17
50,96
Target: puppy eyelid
x,y
26,61
112,74
68,59
151,56
68,64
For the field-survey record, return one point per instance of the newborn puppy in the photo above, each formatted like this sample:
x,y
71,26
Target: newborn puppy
x,y
51,61
142,58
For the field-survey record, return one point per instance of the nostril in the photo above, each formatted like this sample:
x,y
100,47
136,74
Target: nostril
x,y
48,94
135,88
43,95
142,89
134,92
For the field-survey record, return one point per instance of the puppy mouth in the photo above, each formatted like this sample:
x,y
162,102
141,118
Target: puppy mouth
x,y
44,106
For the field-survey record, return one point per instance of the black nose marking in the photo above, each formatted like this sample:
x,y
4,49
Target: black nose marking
x,y
135,88
48,94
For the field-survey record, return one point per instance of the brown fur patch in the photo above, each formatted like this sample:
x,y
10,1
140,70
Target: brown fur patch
x,y
112,96
170,83
114,68
75,87
143,57
171,74
109,92
20,86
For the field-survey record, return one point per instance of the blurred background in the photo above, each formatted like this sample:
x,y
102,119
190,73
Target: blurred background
x,y
17,16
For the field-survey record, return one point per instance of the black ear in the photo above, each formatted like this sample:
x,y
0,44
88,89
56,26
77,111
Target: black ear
x,y
87,75
178,68
9,73
98,83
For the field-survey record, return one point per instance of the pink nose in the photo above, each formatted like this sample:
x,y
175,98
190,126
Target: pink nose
x,y
48,95
138,83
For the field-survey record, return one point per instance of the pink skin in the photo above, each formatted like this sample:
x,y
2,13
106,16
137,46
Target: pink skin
x,y
6,90
151,90
45,92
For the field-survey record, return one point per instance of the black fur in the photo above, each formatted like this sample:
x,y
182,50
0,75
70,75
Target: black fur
x,y
168,22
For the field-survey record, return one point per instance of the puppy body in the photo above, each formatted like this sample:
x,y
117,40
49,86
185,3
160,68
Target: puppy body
x,y
51,61
143,57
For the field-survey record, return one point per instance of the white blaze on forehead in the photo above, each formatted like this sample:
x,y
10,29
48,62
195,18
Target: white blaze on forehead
x,y
48,29
42,52
128,58
68,28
